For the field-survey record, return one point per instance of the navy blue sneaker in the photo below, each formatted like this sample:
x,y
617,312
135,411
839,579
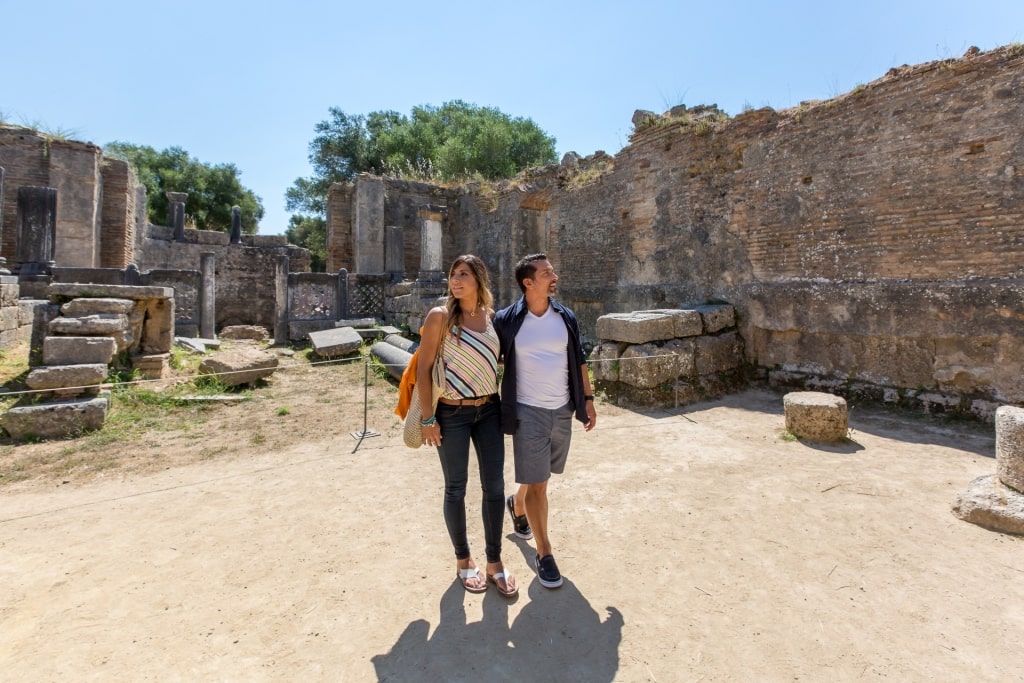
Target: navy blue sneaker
x,y
519,523
547,572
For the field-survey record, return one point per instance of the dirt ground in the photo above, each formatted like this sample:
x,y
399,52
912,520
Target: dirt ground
x,y
264,543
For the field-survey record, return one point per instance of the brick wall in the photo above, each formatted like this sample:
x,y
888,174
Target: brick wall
x,y
95,198
25,158
118,220
340,253
877,237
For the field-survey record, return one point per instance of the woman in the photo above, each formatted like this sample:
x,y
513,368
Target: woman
x,y
467,411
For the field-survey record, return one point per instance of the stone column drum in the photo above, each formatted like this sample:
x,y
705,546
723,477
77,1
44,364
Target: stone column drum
x,y
1010,446
816,416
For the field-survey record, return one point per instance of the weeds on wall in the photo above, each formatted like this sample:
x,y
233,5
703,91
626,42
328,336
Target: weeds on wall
x,y
586,173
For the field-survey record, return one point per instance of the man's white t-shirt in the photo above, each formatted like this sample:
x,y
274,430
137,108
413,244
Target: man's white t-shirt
x,y
542,361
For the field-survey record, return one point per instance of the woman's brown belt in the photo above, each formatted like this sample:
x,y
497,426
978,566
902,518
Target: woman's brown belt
x,y
474,401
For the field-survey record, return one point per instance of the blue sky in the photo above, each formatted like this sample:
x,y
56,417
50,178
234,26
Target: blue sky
x,y
245,82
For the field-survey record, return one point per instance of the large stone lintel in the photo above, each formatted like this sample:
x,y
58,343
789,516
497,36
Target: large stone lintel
x,y
77,289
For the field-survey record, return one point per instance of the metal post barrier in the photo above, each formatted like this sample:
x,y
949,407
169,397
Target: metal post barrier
x,y
367,432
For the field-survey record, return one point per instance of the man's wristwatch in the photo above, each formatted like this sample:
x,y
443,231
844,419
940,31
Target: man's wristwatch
x,y
588,397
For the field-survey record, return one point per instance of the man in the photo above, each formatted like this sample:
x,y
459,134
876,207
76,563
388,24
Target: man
x,y
544,384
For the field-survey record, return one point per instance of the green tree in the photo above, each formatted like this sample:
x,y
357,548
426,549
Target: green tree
x,y
311,233
212,189
454,142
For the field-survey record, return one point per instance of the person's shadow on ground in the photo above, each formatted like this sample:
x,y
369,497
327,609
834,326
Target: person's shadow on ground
x,y
556,637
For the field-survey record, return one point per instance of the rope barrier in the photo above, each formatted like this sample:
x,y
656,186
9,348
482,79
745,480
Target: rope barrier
x,y
190,378
289,367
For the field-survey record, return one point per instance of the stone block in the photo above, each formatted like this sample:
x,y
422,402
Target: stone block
x,y
356,322
85,306
604,361
686,351
646,366
158,332
9,293
78,350
66,376
27,310
635,328
239,366
816,416
153,365
1010,446
369,332
332,343
991,504
190,343
253,332
717,317
685,322
10,318
9,338
60,419
71,290
299,330
100,325
721,353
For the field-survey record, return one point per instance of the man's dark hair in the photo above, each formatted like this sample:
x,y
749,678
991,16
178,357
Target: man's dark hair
x,y
526,269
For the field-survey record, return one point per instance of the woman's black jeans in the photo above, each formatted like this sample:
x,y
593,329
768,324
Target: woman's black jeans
x,y
459,426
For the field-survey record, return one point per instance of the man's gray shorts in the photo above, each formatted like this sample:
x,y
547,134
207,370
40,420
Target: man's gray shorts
x,y
541,442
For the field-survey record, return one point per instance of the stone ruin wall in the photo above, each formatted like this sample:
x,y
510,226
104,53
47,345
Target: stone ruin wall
x,y
245,293
400,206
871,244
96,198
101,223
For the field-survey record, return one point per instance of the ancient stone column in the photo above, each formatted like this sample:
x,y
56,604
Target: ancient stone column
x,y
1010,446
176,213
394,253
281,299
368,226
341,295
431,264
236,225
37,229
207,296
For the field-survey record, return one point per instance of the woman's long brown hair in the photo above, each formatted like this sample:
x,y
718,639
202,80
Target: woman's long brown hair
x,y
484,298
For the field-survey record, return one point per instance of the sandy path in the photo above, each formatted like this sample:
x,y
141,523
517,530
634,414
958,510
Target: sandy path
x,y
696,545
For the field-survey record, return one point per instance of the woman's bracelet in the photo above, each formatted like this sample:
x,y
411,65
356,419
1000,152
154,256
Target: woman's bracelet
x,y
429,421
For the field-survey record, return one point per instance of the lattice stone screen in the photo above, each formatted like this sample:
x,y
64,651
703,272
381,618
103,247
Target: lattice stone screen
x,y
366,295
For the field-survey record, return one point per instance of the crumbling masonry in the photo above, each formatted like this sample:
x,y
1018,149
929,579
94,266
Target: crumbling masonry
x,y
871,245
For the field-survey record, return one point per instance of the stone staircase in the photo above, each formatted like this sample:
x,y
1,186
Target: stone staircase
x,y
87,329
